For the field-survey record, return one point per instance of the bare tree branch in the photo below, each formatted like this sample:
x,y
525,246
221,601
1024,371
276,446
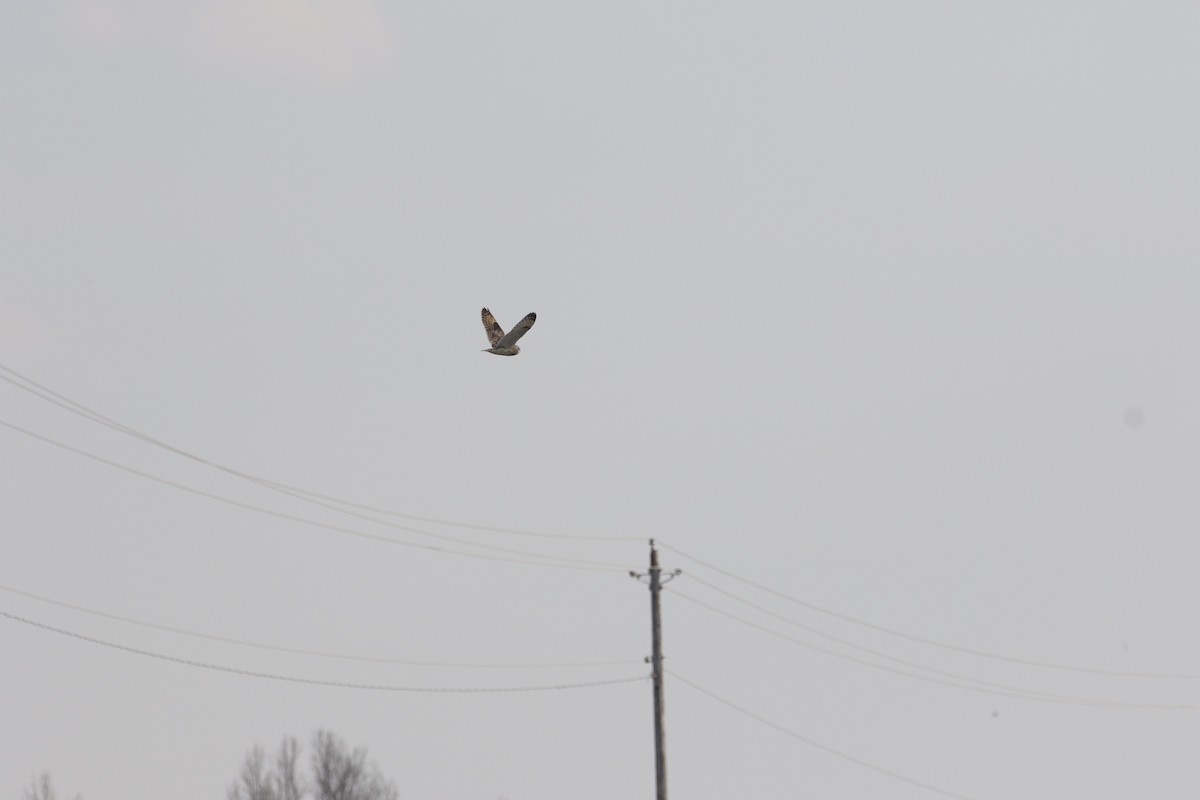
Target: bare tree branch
x,y
41,788
338,773
254,783
289,784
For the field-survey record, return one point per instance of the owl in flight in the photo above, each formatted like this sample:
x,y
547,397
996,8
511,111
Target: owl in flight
x,y
505,344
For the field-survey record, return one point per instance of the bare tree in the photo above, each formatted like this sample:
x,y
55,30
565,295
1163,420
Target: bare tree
x,y
41,788
254,783
342,774
291,785
338,773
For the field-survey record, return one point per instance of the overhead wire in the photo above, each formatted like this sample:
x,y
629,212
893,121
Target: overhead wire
x,y
921,639
846,643
315,682
812,742
314,500
45,393
456,524
320,653
31,386
971,684
549,561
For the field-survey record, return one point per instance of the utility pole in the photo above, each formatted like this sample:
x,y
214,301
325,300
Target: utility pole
x,y
660,750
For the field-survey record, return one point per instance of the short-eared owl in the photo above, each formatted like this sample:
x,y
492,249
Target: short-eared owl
x,y
505,344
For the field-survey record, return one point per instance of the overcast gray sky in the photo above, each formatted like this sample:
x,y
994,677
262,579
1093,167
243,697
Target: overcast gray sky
x,y
889,307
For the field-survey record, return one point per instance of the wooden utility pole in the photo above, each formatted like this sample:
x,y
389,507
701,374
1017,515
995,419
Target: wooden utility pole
x,y
660,748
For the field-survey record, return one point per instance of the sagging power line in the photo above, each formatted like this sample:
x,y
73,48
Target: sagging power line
x,y
315,682
49,395
921,639
814,743
966,683
560,562
544,560
319,653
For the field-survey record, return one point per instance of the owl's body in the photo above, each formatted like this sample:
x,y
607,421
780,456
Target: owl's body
x,y
505,344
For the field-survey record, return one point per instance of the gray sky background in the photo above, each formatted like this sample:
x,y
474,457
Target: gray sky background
x,y
891,307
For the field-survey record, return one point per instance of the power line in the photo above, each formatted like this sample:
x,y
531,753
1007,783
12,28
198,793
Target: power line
x,y
313,682
320,653
550,561
45,393
1002,690
300,495
469,525
922,640
30,386
846,643
813,743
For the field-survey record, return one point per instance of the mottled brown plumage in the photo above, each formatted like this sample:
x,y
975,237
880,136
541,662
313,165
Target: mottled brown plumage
x,y
492,328
503,344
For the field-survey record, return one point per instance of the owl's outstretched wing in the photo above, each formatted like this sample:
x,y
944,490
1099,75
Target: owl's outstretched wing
x,y
519,330
492,328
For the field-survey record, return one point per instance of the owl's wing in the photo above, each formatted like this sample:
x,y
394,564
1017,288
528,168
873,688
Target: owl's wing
x,y
492,328
517,332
